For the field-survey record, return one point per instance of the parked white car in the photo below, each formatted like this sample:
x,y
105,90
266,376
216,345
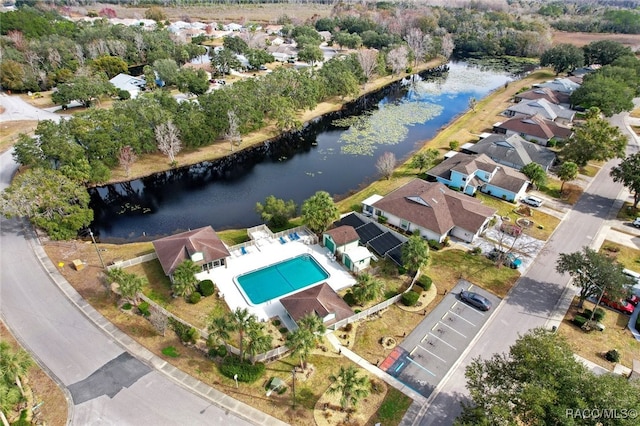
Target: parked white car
x,y
532,201
636,222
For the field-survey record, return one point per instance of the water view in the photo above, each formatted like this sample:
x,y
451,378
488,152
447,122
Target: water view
x,y
334,154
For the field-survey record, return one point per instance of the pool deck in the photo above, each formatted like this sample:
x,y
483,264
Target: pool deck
x,y
268,251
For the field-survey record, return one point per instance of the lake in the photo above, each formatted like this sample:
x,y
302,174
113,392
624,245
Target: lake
x,y
336,154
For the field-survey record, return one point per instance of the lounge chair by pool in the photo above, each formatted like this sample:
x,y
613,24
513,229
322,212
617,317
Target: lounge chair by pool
x,y
243,250
282,240
297,237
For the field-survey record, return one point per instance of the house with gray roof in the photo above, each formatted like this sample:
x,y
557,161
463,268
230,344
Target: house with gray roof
x,y
129,83
562,85
535,128
471,173
543,108
433,211
202,246
512,151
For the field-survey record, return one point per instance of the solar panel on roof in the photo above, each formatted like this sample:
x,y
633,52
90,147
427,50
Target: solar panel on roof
x,y
396,255
350,220
368,232
383,243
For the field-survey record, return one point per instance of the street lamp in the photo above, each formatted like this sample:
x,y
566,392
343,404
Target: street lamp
x,y
97,249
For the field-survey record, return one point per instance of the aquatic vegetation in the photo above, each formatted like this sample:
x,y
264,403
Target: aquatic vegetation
x,y
386,126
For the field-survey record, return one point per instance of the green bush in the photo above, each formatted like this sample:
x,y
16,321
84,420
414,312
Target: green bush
x,y
170,351
126,306
349,299
185,333
425,282
410,298
194,298
276,322
579,320
382,219
247,373
348,327
597,316
143,307
612,356
283,330
220,350
206,288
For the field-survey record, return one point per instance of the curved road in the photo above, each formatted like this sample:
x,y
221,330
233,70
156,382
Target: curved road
x,y
105,384
537,295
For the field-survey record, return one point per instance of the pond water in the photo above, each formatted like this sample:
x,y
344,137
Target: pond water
x,y
326,155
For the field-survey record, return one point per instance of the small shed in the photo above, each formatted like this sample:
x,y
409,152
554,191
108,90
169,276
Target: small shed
x,y
341,239
357,259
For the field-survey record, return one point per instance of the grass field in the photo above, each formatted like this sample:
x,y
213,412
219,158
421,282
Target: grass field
x,y
624,255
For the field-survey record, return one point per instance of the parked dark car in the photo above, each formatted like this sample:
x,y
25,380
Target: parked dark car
x,y
475,300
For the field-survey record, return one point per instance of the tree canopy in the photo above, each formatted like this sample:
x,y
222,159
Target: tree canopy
x,y
319,211
535,173
276,212
597,140
539,382
594,273
52,201
608,90
628,172
415,253
563,57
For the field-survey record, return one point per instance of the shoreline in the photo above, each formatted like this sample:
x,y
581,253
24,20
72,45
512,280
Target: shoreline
x,y
151,164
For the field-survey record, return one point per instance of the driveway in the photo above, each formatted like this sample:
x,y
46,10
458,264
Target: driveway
x,y
16,109
424,357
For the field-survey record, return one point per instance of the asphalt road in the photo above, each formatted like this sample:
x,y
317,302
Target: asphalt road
x,y
534,297
106,384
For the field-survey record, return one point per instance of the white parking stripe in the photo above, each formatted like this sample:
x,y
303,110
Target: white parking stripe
x,y
462,318
421,366
467,306
436,356
453,329
452,347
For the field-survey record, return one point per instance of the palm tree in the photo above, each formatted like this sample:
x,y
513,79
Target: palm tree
x,y
14,365
349,385
220,329
415,253
304,339
242,321
367,289
257,340
9,397
184,278
131,285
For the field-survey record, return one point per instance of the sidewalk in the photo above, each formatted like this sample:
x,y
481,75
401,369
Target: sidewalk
x,y
390,380
195,386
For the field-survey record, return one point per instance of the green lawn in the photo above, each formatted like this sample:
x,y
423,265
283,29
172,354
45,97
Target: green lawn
x,y
544,224
628,212
626,256
392,410
448,266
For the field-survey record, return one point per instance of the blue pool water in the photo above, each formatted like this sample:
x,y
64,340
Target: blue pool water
x,y
281,278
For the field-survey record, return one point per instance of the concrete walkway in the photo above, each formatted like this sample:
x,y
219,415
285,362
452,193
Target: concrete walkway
x,y
217,398
390,380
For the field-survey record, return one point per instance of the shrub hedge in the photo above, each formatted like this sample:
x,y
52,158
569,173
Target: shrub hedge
x,y
206,288
194,298
410,298
612,356
143,307
579,320
247,372
425,282
185,333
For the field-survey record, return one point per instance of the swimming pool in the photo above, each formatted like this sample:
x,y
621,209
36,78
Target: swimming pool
x,y
280,278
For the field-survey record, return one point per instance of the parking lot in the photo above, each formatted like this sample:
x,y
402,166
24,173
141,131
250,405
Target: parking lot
x,y
427,354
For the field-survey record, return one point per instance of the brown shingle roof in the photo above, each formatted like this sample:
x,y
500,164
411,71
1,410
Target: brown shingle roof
x,y
343,234
536,126
435,207
175,249
545,93
320,300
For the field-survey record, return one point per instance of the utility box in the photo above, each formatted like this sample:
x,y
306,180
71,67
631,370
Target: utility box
x,y
78,265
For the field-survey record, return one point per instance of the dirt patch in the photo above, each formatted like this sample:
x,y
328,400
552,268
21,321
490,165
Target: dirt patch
x,y
11,130
581,39
53,410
